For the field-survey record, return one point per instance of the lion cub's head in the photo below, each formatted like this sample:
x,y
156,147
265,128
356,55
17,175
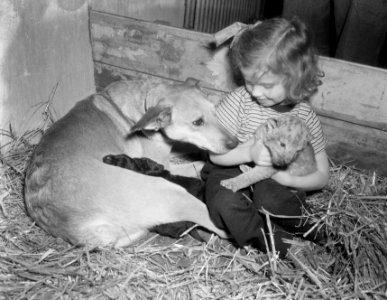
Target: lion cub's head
x,y
285,139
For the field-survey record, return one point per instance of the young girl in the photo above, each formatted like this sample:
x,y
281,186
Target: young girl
x,y
279,68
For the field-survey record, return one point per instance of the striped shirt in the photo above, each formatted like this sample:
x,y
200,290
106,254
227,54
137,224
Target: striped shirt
x,y
241,116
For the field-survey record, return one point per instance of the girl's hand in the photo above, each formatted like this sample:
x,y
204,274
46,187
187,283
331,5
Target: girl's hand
x,y
283,178
311,182
271,124
260,155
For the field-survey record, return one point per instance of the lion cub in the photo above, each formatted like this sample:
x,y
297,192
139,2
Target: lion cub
x,y
289,149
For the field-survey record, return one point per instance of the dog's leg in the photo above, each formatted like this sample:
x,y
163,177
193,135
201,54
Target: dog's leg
x,y
142,165
97,233
192,169
123,214
187,207
149,167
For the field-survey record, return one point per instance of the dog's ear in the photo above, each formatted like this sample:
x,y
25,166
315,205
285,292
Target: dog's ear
x,y
155,94
154,119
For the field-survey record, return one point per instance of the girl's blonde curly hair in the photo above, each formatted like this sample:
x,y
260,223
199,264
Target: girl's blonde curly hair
x,y
283,47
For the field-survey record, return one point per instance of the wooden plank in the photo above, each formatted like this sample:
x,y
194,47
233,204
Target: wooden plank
x,y
353,92
157,49
355,145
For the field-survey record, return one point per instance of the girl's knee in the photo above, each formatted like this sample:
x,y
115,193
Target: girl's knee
x,y
220,209
278,199
221,200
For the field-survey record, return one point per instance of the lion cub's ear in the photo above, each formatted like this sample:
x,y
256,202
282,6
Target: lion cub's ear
x,y
305,136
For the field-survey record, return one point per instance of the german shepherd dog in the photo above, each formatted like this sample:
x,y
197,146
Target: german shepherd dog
x,y
72,194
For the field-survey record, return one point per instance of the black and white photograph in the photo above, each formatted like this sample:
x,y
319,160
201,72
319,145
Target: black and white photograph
x,y
193,149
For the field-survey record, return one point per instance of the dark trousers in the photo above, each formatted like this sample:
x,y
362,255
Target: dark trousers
x,y
241,214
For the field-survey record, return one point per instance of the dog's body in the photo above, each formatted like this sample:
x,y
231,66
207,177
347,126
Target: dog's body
x,y
72,194
289,149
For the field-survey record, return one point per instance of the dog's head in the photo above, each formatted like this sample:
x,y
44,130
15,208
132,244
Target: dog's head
x,y
184,113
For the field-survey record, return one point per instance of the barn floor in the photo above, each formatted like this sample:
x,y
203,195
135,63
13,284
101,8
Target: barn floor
x,y
34,265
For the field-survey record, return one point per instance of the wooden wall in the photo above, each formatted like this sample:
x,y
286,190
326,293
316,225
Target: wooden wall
x,y
45,53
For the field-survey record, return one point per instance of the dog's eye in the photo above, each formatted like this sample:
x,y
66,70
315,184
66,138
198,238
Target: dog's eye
x,y
198,122
283,145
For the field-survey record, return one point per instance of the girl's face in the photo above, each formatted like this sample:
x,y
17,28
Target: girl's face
x,y
266,87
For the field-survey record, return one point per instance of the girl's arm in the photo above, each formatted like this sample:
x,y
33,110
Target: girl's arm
x,y
236,156
311,182
249,151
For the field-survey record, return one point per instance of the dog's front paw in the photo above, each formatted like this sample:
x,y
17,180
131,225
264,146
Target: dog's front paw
x,y
230,184
120,160
148,166
141,165
109,159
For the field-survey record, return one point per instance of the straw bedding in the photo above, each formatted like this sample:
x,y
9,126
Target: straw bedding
x,y
35,265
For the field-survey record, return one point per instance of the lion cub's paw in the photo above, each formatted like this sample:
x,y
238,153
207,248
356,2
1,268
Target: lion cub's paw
x,y
230,184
